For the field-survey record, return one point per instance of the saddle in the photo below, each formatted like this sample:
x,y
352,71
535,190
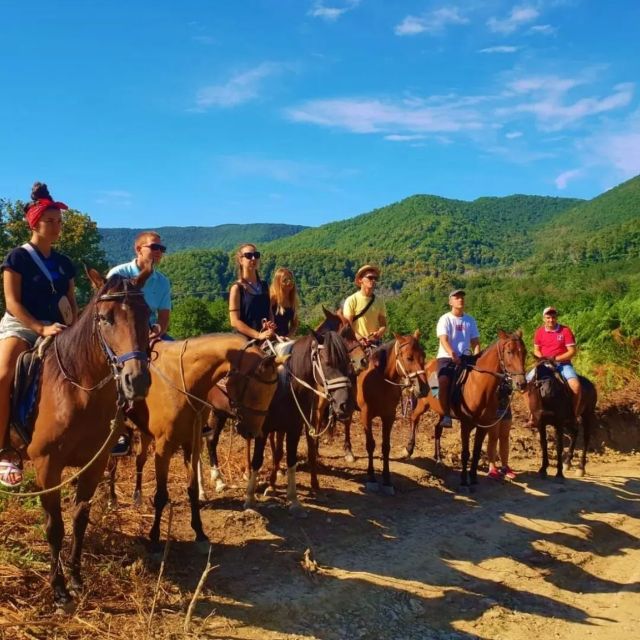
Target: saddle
x,y
461,373
26,383
554,390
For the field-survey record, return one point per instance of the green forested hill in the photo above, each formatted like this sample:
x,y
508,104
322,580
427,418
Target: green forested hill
x,y
117,243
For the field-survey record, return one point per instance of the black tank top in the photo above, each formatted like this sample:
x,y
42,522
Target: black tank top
x,y
283,321
254,304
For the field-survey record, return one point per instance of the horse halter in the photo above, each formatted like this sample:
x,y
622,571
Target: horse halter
x,y
400,368
507,375
331,384
237,405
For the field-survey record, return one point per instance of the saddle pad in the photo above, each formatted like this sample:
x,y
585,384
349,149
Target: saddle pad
x,y
25,393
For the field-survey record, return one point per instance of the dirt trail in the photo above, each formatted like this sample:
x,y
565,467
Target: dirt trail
x,y
530,558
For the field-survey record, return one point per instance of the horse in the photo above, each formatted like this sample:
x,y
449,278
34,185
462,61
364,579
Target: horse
x,y
495,371
359,359
319,366
396,365
90,373
550,403
183,373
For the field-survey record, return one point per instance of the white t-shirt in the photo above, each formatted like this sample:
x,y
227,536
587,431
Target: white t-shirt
x,y
460,331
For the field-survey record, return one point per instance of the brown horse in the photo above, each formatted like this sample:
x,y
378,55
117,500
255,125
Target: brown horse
x,y
90,372
183,373
394,366
550,403
496,369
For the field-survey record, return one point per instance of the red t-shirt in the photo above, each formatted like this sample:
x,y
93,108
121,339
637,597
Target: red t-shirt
x,y
555,342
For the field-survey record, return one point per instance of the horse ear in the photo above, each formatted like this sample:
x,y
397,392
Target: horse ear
x,y
397,336
502,335
518,333
327,314
94,277
319,338
144,275
416,334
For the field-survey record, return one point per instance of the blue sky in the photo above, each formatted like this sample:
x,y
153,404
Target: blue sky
x,y
307,111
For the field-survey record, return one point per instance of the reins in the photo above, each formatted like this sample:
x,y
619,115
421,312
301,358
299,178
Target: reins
x,y
400,369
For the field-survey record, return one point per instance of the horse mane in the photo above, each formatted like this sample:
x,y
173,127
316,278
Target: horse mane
x,y
337,355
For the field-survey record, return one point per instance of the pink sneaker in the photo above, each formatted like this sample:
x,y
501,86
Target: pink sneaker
x,y
494,474
508,473
10,474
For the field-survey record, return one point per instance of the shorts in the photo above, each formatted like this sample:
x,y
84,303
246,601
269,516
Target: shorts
x,y
446,367
565,369
11,327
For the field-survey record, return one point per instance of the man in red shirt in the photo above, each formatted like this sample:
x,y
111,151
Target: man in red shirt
x,y
556,342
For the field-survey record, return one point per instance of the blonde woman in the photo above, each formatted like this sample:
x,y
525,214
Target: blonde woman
x,y
284,303
249,304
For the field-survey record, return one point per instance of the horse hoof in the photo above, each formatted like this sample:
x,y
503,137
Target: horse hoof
x,y
202,547
137,499
65,607
214,474
566,467
580,473
251,506
112,504
298,511
220,485
75,585
349,457
388,490
371,487
406,453
202,496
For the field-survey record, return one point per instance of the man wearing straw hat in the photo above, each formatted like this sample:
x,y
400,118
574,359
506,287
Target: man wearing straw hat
x,y
366,312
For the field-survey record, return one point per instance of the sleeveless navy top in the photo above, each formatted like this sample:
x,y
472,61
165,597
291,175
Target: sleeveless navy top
x,y
254,304
283,320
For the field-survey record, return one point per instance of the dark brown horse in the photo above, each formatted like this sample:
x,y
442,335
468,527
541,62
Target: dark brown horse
x,y
183,373
319,366
550,403
500,364
90,372
394,366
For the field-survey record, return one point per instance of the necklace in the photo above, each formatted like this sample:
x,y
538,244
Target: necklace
x,y
256,288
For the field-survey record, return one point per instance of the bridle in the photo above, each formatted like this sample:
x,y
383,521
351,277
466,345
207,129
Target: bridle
x,y
115,362
408,379
504,374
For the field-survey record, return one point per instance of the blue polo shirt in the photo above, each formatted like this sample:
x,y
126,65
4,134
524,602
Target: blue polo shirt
x,y
157,289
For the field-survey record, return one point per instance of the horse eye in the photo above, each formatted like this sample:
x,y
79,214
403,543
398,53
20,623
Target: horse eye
x,y
107,318
410,358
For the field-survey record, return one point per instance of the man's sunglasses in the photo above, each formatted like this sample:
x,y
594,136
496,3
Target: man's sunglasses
x,y
154,246
372,278
249,255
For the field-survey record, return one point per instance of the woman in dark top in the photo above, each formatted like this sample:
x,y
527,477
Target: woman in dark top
x,y
249,305
284,302
36,303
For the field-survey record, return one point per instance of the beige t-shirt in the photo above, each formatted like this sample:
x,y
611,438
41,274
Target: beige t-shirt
x,y
369,322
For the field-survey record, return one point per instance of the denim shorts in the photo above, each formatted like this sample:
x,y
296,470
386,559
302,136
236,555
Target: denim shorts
x,y
567,371
11,327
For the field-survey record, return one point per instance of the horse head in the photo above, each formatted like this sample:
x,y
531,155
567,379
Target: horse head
x,y
512,355
338,323
333,373
251,385
410,362
121,324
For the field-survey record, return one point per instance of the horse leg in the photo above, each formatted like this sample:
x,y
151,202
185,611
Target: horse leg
x,y
54,528
387,426
559,447
111,473
371,483
87,484
275,463
573,439
141,460
295,508
418,411
542,430
192,461
256,464
477,450
348,452
438,447
216,422
465,434
312,454
162,459
588,419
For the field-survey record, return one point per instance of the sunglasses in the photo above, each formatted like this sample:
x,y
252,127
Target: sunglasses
x,y
371,278
287,281
249,255
154,246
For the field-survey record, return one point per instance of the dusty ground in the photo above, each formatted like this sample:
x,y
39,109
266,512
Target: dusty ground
x,y
516,560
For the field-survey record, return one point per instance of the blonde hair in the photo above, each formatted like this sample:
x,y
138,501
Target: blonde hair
x,y
282,298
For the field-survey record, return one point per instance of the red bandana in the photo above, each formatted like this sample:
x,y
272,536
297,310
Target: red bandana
x,y
36,210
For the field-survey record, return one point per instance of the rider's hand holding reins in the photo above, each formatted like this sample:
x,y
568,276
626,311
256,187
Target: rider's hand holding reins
x,y
52,329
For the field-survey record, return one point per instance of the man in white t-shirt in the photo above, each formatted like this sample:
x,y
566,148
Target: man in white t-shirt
x,y
458,335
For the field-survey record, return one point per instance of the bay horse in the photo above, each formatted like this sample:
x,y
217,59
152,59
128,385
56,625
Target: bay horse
x,y
396,365
550,403
91,371
183,373
359,359
497,368
319,366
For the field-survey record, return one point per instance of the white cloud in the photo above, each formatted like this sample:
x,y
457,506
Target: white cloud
x,y
240,88
563,179
331,14
543,29
512,135
433,22
115,198
395,137
519,16
500,49
369,115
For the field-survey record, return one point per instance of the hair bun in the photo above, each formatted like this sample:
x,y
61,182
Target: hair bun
x,y
40,190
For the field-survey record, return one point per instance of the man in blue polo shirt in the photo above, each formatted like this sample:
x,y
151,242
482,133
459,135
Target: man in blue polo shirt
x,y
157,294
157,289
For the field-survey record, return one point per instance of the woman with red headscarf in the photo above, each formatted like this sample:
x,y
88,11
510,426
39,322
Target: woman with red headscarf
x,y
39,293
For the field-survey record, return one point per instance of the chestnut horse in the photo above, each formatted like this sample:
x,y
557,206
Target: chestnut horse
x,y
550,403
183,373
395,366
500,364
91,371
